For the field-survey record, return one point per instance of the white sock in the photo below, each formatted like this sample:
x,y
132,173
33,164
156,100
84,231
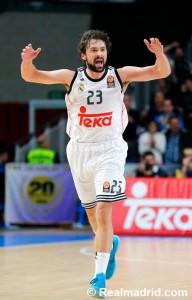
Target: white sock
x,y
101,262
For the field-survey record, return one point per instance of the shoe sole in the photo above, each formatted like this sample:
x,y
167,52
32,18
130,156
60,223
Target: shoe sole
x,y
97,296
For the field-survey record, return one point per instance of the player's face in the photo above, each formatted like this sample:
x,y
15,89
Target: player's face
x,y
96,56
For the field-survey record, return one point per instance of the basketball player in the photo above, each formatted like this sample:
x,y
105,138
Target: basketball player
x,y
96,120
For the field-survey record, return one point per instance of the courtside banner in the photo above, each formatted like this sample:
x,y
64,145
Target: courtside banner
x,y
39,194
160,206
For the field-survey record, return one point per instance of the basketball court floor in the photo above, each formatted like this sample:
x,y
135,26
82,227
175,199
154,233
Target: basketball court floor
x,y
57,264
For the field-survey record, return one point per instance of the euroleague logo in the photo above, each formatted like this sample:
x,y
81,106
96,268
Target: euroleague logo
x,y
94,120
106,186
110,82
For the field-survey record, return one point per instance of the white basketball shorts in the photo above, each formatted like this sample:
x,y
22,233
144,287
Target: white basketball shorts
x,y
98,170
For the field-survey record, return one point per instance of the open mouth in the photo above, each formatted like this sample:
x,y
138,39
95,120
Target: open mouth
x,y
99,63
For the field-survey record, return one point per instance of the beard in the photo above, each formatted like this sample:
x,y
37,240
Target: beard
x,y
95,69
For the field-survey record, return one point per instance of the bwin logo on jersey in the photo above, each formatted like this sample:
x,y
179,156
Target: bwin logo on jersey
x,y
94,120
81,87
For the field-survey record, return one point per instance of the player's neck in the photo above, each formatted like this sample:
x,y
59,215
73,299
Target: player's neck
x,y
94,75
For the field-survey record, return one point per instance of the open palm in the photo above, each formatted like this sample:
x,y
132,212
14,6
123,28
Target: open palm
x,y
28,53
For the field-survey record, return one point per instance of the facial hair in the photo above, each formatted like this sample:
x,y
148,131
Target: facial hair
x,y
94,68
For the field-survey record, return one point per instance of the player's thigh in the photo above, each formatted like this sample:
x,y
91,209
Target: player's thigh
x,y
110,181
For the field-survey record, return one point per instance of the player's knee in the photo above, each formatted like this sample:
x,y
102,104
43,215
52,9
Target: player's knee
x,y
104,213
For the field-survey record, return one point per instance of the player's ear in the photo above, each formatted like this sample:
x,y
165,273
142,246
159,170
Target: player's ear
x,y
83,56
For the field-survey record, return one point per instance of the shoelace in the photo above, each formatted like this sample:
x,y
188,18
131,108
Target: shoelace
x,y
93,280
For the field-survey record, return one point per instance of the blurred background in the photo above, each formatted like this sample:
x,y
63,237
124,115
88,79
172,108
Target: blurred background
x,y
28,110
39,206
56,27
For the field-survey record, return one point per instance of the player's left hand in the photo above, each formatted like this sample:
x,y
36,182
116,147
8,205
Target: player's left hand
x,y
154,46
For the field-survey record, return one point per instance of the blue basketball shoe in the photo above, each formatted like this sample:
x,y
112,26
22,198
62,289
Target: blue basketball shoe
x,y
98,286
112,264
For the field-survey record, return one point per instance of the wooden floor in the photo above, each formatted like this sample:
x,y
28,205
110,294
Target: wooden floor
x,y
62,270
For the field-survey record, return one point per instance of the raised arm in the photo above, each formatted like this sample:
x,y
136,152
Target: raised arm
x,y
160,69
31,74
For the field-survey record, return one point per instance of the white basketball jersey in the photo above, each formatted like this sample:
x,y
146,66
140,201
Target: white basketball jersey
x,y
96,111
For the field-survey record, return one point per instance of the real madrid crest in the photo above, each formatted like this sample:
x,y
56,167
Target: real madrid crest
x,y
81,88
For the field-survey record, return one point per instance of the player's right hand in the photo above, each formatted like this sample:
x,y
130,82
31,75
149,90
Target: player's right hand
x,y
28,53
